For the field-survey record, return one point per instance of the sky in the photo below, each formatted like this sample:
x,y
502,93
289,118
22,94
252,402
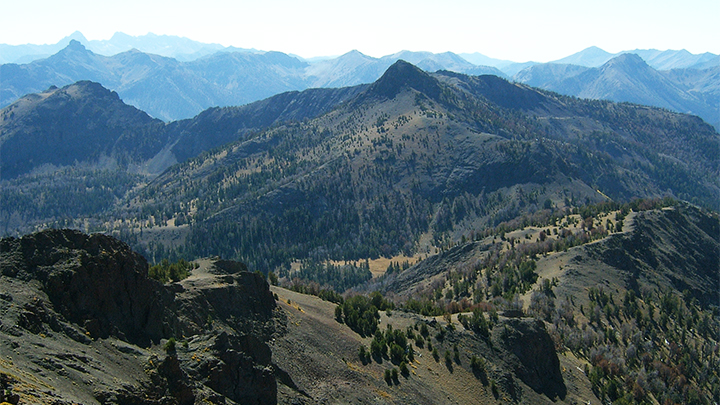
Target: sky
x,y
517,30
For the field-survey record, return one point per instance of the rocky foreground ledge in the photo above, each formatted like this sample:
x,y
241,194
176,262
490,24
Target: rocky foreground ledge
x,y
81,322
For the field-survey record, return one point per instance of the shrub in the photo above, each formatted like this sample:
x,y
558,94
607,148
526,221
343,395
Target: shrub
x,y
170,346
339,314
397,353
494,389
377,346
477,364
363,355
424,330
394,375
404,369
476,323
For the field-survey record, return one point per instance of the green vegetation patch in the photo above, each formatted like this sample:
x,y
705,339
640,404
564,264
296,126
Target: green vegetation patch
x,y
166,271
361,314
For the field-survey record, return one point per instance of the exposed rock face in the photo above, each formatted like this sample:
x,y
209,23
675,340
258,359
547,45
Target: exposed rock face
x,y
241,300
84,303
532,355
242,369
94,281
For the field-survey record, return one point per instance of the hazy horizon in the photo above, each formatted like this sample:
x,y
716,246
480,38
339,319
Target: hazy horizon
x,y
519,31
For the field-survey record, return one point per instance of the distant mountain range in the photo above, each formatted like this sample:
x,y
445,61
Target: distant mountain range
x,y
200,76
170,90
179,48
659,60
185,49
627,78
163,87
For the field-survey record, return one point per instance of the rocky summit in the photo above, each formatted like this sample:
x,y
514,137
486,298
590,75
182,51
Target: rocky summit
x,y
82,323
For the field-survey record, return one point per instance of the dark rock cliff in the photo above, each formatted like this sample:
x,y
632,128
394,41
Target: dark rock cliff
x,y
71,301
532,355
94,281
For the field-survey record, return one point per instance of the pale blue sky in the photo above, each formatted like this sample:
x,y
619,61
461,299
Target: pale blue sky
x,y
518,30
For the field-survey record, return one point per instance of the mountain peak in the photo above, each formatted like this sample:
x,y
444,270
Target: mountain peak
x,y
83,122
77,36
120,36
75,53
401,75
594,49
76,45
590,57
629,57
89,88
626,60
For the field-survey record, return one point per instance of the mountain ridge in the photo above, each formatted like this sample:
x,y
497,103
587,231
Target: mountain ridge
x,y
185,49
470,149
116,131
173,89
659,60
181,139
628,78
170,89
478,139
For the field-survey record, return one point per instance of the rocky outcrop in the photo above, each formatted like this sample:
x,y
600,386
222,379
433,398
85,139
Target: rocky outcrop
x,y
531,354
81,309
94,281
240,369
241,300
